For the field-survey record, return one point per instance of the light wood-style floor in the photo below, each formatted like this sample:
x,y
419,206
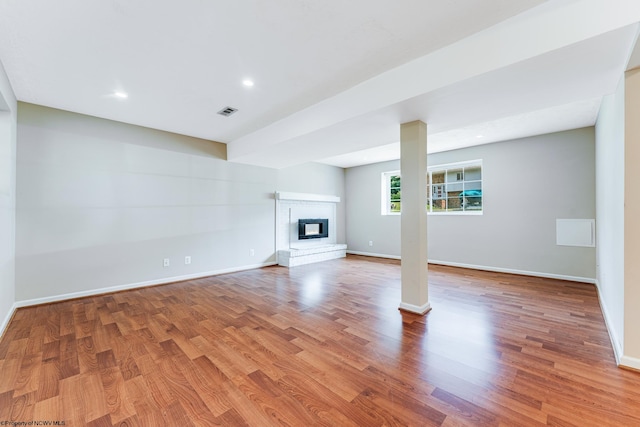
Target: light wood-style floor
x,y
322,344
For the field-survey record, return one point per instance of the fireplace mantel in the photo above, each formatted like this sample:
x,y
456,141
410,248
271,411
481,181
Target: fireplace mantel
x,y
306,197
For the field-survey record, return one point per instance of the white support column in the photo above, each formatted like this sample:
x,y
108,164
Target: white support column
x,y
413,169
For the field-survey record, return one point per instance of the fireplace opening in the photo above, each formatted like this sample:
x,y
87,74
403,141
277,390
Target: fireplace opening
x,y
313,228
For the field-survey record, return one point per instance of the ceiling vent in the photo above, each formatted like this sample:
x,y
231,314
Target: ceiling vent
x,y
227,111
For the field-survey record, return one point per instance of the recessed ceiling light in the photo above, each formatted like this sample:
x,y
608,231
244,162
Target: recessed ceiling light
x,y
247,83
121,95
479,136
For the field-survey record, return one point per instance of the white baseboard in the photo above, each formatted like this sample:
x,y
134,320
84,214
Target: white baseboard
x,y
373,254
163,281
418,309
613,337
7,319
621,359
630,362
487,268
513,271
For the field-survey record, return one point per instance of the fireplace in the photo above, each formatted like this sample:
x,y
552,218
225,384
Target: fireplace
x,y
313,228
306,229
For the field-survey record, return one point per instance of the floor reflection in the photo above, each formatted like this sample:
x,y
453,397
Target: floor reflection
x,y
312,290
462,336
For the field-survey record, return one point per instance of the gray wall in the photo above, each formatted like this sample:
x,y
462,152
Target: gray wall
x,y
100,205
8,114
527,185
364,221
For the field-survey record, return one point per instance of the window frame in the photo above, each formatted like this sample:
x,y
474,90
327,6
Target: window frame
x,y
444,168
385,186
386,193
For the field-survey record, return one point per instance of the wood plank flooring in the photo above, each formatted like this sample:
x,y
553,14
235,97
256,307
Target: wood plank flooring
x,y
322,344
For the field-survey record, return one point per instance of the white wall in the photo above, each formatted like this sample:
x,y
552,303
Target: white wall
x,y
610,212
100,205
527,185
8,114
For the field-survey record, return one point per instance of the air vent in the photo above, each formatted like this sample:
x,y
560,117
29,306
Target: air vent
x,y
227,111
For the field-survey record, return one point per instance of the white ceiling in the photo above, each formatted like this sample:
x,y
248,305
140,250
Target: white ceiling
x,y
331,77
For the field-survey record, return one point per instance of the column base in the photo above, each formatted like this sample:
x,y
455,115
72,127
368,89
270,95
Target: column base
x,y
417,309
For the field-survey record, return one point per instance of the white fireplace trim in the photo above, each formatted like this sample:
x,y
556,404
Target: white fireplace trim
x,y
307,197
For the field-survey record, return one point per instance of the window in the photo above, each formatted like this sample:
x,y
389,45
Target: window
x,y
391,193
452,189
455,188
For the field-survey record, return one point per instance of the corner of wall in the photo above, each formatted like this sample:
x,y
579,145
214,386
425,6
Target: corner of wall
x,y
608,322
8,124
609,165
7,319
629,362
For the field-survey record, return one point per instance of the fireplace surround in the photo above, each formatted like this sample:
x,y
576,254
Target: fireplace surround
x,y
294,245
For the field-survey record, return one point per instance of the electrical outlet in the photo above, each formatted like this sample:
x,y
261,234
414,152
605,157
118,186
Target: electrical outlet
x,y
166,262
187,260
252,252
370,242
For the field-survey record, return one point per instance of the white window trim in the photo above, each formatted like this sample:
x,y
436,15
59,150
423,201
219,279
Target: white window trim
x,y
385,205
445,166
462,213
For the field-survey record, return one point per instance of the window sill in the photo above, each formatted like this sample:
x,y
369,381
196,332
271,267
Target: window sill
x,y
457,213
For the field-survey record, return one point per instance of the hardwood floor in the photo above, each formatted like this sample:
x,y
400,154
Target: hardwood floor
x,y
322,344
